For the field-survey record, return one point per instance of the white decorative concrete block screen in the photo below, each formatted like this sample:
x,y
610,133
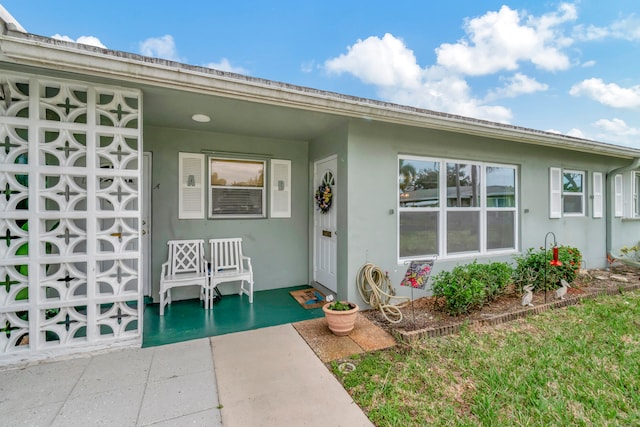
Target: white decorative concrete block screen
x,y
70,171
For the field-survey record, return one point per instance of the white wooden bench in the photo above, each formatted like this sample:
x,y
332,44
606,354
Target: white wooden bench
x,y
186,266
228,264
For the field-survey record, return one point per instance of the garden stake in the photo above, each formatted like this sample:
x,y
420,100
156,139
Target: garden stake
x,y
555,261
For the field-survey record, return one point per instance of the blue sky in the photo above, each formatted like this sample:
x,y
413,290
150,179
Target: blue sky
x,y
572,68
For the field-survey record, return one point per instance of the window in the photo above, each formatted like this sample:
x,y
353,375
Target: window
x,y
501,207
449,208
237,188
573,193
463,208
566,192
419,207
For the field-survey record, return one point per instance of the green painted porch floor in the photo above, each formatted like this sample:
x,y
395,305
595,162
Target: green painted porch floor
x,y
188,320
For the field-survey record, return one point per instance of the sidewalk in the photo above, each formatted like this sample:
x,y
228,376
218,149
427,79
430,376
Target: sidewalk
x,y
167,385
263,377
271,377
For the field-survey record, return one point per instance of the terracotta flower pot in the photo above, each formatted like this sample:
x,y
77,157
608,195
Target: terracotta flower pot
x,y
341,322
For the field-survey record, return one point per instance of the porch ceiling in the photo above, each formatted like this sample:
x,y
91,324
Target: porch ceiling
x,y
172,108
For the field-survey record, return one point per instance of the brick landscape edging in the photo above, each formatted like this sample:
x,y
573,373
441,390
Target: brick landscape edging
x,y
411,336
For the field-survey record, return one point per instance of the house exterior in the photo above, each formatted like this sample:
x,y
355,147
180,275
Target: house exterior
x,y
105,157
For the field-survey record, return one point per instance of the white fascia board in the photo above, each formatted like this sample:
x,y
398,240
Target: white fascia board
x,y
65,56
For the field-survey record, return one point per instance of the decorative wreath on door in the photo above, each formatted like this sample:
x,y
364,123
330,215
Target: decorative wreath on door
x,y
324,195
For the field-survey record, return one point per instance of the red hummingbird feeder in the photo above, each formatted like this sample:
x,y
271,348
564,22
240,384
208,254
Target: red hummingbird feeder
x,y
555,261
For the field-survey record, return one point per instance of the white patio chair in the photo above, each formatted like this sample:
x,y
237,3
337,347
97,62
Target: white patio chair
x,y
186,266
228,264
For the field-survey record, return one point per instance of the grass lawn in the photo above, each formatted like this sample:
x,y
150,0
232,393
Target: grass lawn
x,y
575,366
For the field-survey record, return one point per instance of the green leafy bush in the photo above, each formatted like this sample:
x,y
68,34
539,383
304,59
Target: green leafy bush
x,y
468,287
530,268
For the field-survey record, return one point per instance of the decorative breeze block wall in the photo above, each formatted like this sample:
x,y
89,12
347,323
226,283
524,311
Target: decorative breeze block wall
x,y
70,179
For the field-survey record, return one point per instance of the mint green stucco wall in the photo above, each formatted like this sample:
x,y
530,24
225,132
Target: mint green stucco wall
x,y
278,247
282,249
372,186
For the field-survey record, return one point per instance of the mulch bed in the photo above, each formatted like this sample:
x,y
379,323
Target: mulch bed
x,y
425,317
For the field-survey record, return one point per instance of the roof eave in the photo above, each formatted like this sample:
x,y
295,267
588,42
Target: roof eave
x,y
37,51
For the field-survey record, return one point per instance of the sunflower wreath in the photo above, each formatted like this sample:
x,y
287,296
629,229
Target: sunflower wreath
x,y
324,195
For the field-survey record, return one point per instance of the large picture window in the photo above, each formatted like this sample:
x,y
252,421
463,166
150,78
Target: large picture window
x,y
450,208
237,188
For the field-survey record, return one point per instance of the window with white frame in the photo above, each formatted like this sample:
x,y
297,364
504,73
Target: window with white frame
x,y
573,200
237,188
566,192
450,207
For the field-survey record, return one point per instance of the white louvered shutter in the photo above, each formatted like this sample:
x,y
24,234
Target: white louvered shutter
x,y
597,195
619,196
280,189
555,193
191,195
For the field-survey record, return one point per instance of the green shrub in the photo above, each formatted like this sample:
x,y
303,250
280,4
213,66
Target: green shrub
x,y
496,276
468,287
530,268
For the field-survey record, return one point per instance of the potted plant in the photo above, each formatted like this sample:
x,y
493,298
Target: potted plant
x,y
341,316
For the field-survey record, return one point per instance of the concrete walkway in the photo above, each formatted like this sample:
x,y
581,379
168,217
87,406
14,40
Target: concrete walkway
x,y
271,377
264,377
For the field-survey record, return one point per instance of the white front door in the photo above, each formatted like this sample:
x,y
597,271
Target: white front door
x,y
146,224
325,225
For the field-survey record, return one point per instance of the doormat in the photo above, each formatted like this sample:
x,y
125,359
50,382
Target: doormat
x,y
309,298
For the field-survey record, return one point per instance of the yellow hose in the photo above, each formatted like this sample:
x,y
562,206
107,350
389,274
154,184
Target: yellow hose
x,y
375,289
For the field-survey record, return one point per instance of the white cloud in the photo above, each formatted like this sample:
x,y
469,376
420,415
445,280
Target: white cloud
x,y
618,132
577,133
160,47
494,42
590,32
501,40
392,67
446,93
588,64
518,84
617,127
225,65
88,40
307,67
609,94
382,61
627,28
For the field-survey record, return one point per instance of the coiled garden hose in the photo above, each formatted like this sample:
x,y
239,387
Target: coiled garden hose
x,y
376,290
